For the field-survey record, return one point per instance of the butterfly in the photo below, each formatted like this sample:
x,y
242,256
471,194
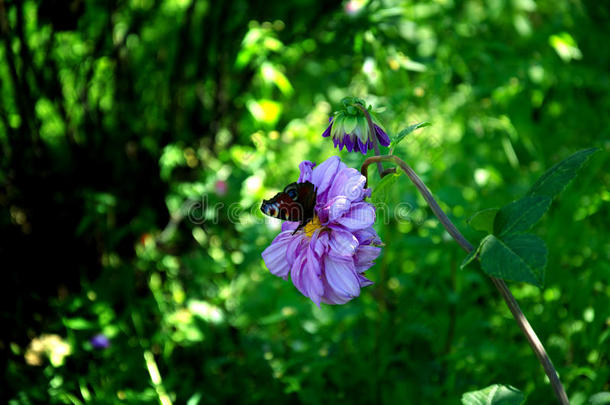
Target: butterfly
x,y
296,203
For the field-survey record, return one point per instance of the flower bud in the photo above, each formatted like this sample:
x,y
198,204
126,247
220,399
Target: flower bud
x,y
350,128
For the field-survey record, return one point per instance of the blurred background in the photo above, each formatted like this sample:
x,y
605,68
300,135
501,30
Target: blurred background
x,y
138,138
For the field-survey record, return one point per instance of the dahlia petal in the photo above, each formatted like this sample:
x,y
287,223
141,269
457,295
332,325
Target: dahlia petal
x,y
367,236
330,297
364,257
361,215
275,255
306,276
306,168
384,139
313,277
342,242
320,245
289,226
323,175
294,248
333,209
296,272
341,276
338,206
348,183
364,282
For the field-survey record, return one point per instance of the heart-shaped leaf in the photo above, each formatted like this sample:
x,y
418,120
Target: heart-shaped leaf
x,y
483,220
520,215
554,180
516,257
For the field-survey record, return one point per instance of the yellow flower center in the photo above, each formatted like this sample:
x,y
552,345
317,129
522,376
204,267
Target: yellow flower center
x,y
312,225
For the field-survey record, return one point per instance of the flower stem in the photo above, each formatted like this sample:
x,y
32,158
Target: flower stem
x,y
508,297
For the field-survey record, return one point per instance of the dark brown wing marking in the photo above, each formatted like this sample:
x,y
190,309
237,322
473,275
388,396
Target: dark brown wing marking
x,y
296,203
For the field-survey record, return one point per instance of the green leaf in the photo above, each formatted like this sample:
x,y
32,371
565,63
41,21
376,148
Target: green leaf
x,y
601,398
402,134
474,254
382,189
520,215
195,398
554,180
78,324
494,395
516,257
483,220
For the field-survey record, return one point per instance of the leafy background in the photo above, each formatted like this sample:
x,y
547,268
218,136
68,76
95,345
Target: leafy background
x,y
139,137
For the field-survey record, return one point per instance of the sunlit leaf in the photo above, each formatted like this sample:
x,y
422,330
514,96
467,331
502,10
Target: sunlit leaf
x,y
565,46
601,398
272,74
78,324
383,188
265,111
412,65
402,134
494,395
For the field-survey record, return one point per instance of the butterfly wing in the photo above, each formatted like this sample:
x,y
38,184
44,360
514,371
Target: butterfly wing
x,y
296,203
307,198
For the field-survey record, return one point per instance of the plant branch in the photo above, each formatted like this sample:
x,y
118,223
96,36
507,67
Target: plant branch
x,y
508,297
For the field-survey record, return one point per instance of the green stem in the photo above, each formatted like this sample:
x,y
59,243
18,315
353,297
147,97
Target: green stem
x,y
508,297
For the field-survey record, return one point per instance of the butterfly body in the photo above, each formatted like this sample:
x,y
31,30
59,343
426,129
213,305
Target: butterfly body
x,y
296,203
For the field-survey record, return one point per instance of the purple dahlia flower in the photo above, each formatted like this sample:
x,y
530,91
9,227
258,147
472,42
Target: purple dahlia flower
x,y
327,258
352,131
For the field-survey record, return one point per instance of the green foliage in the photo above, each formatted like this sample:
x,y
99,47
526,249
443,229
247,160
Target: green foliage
x,y
554,180
520,215
508,253
601,398
494,395
382,189
402,134
483,220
